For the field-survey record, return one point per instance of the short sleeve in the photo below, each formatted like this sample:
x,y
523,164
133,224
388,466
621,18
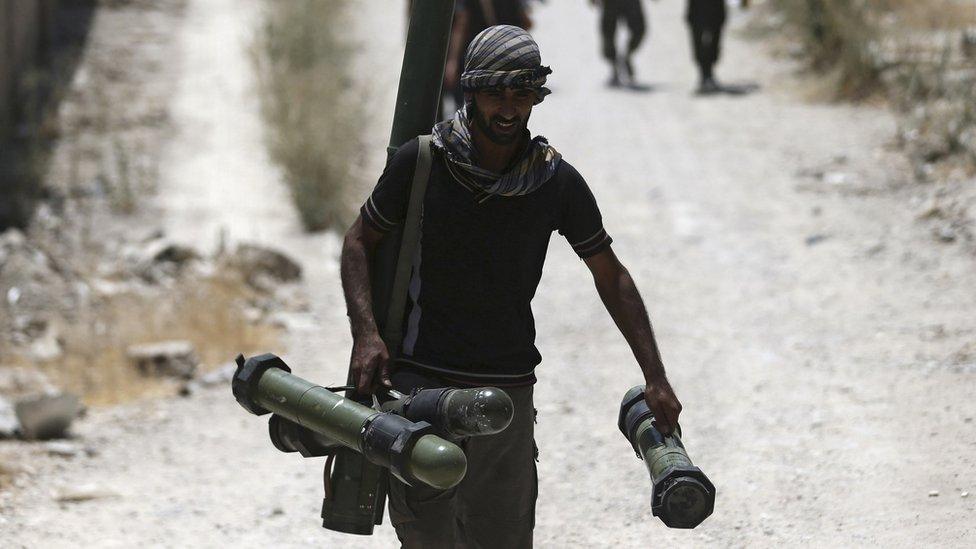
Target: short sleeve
x,y
387,204
579,218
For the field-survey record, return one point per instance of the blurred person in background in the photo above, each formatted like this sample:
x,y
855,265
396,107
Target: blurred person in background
x,y
470,18
632,14
706,18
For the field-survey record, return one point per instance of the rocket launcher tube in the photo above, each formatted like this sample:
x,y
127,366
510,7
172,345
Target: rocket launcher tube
x,y
681,495
458,413
263,384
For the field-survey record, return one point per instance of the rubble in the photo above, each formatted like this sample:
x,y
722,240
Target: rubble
x,y
46,416
30,279
165,359
83,492
8,419
161,258
262,267
19,382
47,347
62,448
221,377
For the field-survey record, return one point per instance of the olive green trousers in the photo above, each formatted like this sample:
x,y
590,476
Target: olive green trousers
x,y
493,507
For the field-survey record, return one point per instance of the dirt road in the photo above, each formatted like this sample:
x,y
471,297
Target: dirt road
x,y
820,339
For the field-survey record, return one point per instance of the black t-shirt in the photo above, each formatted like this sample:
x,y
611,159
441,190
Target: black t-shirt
x,y
478,266
705,12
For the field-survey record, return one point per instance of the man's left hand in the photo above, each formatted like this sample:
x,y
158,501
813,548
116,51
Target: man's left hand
x,y
661,400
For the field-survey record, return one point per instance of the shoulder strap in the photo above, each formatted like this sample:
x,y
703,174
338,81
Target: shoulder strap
x,y
393,329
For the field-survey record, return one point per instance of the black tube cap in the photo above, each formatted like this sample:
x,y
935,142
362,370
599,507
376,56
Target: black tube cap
x,y
247,376
683,498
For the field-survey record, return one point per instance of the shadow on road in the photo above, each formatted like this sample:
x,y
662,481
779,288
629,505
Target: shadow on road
x,y
638,87
734,89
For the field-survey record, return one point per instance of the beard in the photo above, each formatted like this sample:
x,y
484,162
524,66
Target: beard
x,y
485,125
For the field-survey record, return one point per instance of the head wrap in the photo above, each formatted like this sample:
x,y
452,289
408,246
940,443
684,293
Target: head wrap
x,y
504,56
499,56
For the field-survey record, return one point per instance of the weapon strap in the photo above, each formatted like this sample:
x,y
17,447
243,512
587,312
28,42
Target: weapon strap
x,y
393,329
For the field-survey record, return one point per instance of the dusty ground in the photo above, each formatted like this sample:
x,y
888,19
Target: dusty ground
x,y
822,341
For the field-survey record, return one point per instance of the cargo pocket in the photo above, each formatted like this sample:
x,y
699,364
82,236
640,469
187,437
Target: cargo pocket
x,y
419,503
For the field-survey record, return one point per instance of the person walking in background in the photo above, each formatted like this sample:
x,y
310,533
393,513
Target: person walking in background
x,y
470,18
705,20
632,13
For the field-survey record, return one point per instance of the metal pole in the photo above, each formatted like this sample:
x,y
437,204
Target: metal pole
x,y
422,72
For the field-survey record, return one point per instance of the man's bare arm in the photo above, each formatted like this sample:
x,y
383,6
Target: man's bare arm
x,y
624,303
369,353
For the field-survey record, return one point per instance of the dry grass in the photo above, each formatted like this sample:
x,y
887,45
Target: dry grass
x,y
856,41
313,113
934,14
909,52
208,314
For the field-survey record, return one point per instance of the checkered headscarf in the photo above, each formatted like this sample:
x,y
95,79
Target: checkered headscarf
x,y
504,56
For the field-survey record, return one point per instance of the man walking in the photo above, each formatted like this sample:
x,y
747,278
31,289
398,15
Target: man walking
x,y
632,14
705,20
494,197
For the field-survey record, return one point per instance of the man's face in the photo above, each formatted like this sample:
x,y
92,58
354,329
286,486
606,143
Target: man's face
x,y
502,113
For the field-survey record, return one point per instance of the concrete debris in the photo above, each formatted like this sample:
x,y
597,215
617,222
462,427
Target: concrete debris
x,y
48,416
875,249
29,278
837,178
19,382
48,347
8,419
220,376
62,448
969,43
163,258
83,492
815,239
109,288
260,265
964,495
13,295
945,233
165,359
932,210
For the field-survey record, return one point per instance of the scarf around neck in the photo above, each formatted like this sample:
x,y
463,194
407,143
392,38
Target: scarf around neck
x,y
536,163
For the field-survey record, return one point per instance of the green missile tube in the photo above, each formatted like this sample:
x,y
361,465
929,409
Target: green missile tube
x,y
457,413
264,384
681,495
422,71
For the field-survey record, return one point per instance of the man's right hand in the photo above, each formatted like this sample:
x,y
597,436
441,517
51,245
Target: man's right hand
x,y
370,364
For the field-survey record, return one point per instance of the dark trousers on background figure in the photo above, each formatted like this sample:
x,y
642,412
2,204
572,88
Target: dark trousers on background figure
x,y
632,13
493,507
706,18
